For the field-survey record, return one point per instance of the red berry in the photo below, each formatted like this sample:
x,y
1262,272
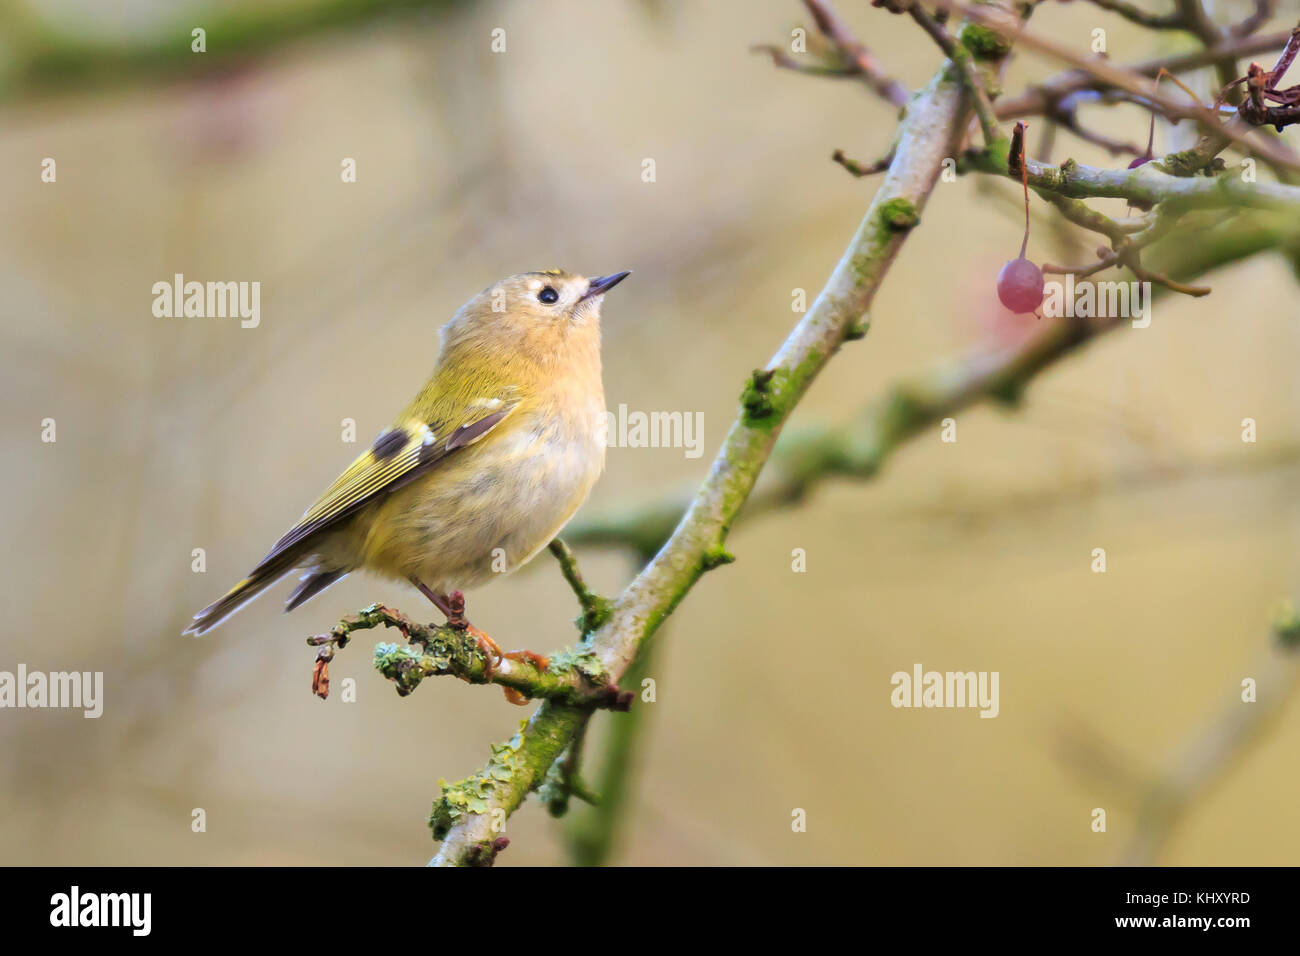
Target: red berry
x,y
1020,285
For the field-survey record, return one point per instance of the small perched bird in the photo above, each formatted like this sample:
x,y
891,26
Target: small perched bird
x,y
482,469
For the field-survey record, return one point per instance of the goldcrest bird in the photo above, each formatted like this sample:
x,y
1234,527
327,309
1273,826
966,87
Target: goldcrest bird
x,y
481,471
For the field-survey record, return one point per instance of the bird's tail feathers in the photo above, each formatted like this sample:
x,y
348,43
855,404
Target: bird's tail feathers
x,y
313,582
258,580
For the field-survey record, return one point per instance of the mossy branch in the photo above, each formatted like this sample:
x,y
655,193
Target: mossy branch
x,y
976,43
1156,182
573,677
42,56
592,835
595,609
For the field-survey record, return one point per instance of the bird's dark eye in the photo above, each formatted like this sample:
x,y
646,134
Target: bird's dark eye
x,y
548,295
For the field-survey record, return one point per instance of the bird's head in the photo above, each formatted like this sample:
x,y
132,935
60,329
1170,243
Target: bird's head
x,y
542,315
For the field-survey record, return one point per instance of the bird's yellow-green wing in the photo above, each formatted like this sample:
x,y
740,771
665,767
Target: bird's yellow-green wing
x,y
408,449
437,425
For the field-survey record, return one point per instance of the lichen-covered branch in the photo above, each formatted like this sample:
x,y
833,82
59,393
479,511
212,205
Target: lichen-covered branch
x,y
564,780
934,121
573,677
1154,182
592,835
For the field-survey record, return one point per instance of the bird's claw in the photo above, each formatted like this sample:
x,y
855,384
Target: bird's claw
x,y
540,661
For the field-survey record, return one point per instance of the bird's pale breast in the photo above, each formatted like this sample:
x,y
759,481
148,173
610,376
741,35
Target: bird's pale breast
x,y
488,509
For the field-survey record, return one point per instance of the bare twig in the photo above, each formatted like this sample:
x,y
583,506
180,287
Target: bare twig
x,y
787,61
1258,17
843,39
963,61
1037,99
853,59
859,170
1134,14
1201,25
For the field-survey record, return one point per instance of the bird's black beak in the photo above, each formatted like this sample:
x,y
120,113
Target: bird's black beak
x,y
602,284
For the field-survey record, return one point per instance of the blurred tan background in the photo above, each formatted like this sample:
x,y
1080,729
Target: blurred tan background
x,y
773,687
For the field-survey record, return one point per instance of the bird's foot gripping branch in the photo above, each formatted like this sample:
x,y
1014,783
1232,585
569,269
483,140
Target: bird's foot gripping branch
x,y
573,676
574,681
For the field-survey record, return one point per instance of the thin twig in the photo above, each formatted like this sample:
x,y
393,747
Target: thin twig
x,y
1134,14
1037,98
1065,112
786,61
853,59
595,609
1258,17
963,61
843,39
859,170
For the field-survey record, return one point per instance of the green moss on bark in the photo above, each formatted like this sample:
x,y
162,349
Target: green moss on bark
x,y
898,215
984,43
